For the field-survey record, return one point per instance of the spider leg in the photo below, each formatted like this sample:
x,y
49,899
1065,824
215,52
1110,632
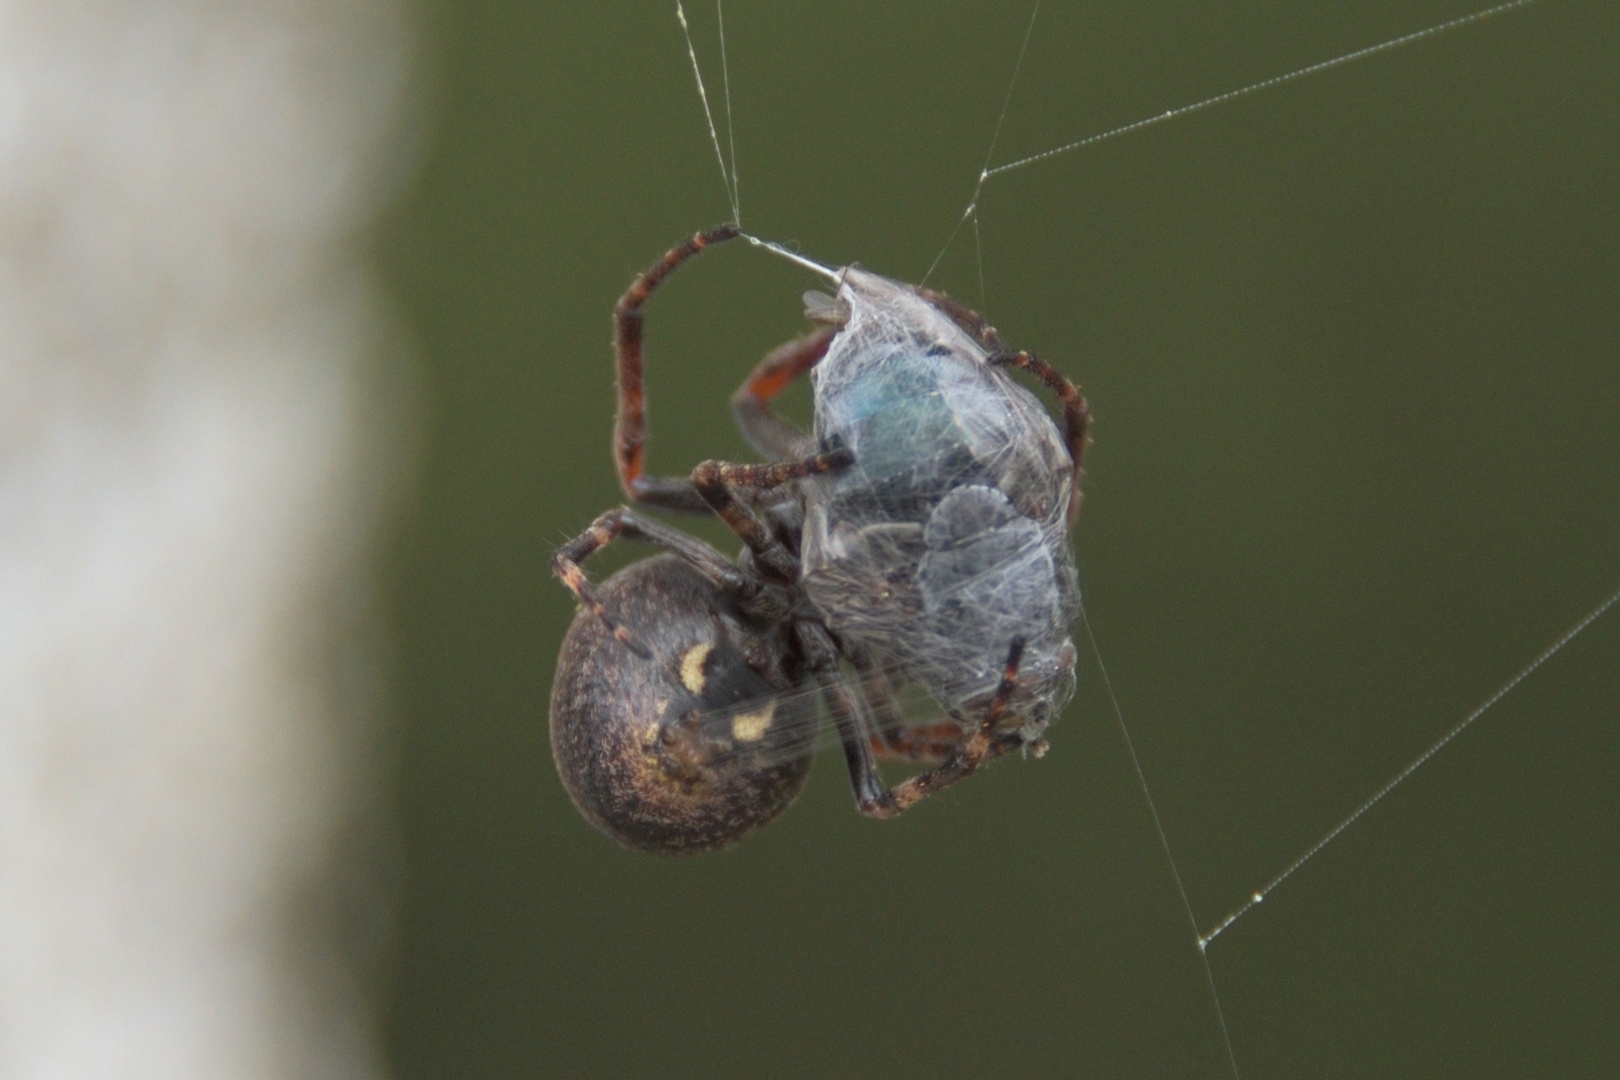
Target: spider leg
x,y
931,743
857,740
717,481
875,800
969,320
1076,413
751,404
630,429
880,697
624,523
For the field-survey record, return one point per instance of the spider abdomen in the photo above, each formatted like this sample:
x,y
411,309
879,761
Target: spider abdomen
x,y
685,749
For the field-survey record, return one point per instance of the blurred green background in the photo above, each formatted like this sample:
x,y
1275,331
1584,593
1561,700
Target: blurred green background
x,y
1353,347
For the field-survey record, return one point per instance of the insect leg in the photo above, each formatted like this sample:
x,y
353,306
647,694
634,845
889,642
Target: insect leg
x,y
621,522
751,404
630,429
717,481
1076,413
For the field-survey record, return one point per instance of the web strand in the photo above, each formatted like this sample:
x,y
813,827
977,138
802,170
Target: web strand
x,y
729,178
708,114
1232,95
731,131
1416,763
989,155
1164,843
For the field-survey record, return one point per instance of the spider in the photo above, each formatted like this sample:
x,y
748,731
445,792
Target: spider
x,y
921,535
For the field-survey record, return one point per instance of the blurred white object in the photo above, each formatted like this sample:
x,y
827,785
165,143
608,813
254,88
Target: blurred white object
x,y
201,422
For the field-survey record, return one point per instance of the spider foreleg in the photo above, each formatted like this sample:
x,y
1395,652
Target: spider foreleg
x,y
630,428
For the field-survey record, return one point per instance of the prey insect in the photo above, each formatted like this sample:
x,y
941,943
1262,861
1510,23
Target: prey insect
x,y
920,535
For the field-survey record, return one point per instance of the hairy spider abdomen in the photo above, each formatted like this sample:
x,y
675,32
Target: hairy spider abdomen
x,y
693,746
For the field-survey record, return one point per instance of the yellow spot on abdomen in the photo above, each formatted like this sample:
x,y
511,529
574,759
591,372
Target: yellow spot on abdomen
x,y
692,666
751,727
